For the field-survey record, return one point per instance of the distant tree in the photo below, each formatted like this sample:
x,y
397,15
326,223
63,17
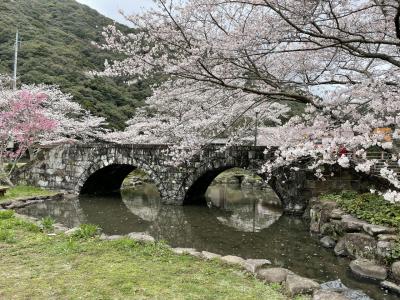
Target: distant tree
x,y
225,58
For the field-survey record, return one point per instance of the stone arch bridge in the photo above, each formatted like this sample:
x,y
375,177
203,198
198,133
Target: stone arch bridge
x,y
101,168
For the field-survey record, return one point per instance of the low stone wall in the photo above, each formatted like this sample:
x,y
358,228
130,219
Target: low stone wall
x,y
370,246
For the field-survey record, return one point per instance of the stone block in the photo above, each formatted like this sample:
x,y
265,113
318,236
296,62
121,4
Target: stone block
x,y
252,265
141,237
233,260
273,275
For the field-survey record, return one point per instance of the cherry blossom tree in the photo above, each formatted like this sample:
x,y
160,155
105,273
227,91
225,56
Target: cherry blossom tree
x,y
39,115
226,58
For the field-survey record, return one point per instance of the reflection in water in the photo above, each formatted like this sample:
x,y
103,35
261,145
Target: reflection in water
x,y
245,223
250,210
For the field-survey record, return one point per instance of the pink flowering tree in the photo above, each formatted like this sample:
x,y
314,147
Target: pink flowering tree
x,y
39,115
225,58
22,122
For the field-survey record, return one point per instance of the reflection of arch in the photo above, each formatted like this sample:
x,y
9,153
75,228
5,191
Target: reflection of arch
x,y
108,175
198,182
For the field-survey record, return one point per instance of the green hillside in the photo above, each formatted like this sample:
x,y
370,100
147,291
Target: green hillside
x,y
56,49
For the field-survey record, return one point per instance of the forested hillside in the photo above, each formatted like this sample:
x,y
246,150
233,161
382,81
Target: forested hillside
x,y
56,49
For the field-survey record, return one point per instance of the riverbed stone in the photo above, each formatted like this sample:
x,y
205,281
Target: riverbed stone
x,y
327,242
390,286
296,284
351,224
141,237
328,295
233,260
396,270
210,255
368,269
273,275
252,265
374,230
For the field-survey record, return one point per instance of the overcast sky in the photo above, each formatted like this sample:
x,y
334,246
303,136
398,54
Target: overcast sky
x,y
110,8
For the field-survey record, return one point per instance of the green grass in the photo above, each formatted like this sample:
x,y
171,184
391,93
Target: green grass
x,y
369,207
20,191
38,266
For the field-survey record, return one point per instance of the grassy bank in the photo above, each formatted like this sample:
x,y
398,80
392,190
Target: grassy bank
x,y
35,265
20,191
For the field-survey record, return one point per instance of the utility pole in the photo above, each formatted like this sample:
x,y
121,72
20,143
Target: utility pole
x,y
257,111
16,46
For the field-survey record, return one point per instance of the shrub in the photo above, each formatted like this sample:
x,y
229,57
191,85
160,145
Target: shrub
x,y
6,214
7,235
372,208
87,231
47,224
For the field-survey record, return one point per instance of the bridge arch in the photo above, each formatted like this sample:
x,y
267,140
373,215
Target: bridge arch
x,y
106,175
197,183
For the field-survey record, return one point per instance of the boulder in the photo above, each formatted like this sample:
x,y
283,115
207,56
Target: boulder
x,y
340,248
390,286
328,295
273,275
328,229
327,242
209,255
296,284
336,214
396,270
378,229
351,224
252,265
384,249
368,269
233,260
359,245
315,219
141,237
